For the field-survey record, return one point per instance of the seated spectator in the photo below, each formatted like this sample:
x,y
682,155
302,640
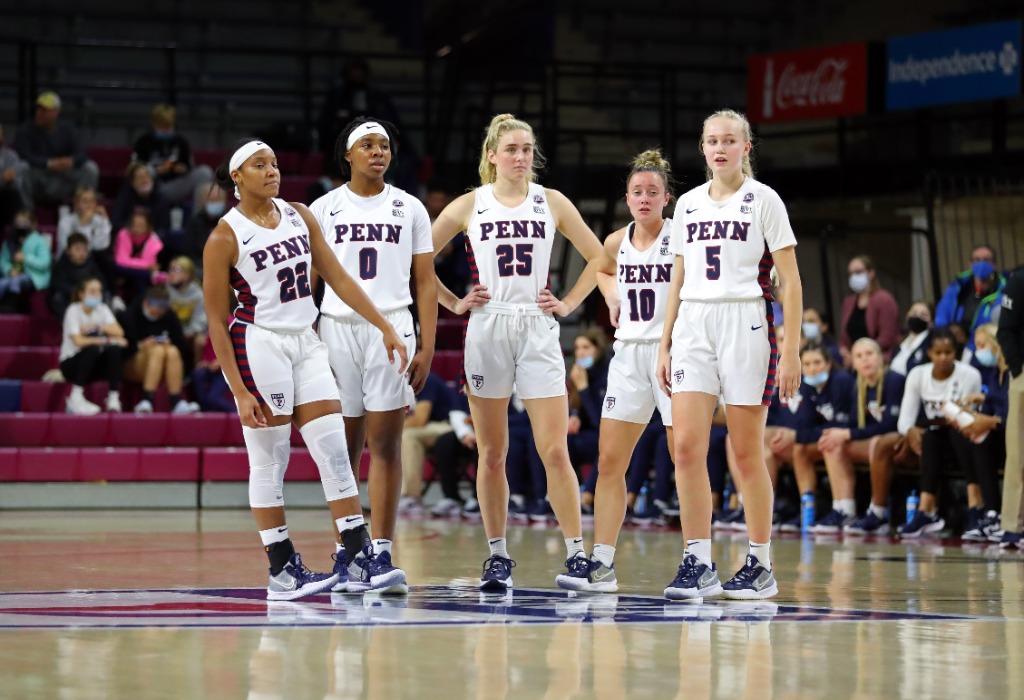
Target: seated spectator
x,y
186,298
870,312
924,427
912,351
450,452
75,265
651,452
91,348
135,254
167,152
210,206
427,421
56,156
973,298
13,171
209,386
815,330
141,193
155,349
588,382
89,218
24,261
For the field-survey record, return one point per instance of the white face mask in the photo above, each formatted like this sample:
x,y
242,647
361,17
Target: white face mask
x,y
811,330
859,282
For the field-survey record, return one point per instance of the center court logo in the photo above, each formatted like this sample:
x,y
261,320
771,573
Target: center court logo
x,y
478,381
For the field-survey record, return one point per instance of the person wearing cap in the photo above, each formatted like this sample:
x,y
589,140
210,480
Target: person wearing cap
x,y
55,153
156,345
168,154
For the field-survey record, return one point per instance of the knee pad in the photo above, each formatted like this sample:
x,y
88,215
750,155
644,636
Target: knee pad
x,y
325,438
268,459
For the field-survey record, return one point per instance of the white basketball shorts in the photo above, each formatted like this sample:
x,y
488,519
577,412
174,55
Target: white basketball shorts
x,y
633,390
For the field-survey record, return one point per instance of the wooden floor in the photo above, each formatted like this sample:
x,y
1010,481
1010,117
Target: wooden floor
x,y
171,604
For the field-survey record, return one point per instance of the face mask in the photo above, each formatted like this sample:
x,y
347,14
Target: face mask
x,y
151,316
214,209
22,231
982,269
164,134
91,302
585,362
818,379
986,358
859,282
145,190
811,330
916,325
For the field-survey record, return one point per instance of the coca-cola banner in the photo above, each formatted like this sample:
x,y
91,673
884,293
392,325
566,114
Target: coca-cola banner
x,y
812,84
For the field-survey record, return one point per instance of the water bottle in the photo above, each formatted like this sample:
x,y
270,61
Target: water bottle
x,y
640,505
913,501
807,512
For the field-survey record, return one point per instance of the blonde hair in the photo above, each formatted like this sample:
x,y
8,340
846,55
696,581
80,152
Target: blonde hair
x,y
989,330
163,115
500,125
652,161
748,169
862,383
186,265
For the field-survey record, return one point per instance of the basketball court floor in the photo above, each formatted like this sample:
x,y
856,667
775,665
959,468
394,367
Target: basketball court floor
x,y
136,604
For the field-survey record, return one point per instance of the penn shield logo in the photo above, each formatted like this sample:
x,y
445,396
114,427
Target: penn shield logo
x,y
478,381
289,211
609,402
398,203
748,198
278,400
678,375
664,245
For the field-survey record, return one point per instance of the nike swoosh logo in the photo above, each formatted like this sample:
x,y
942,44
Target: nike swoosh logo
x,y
291,584
407,335
754,328
602,576
335,213
246,241
481,211
282,529
690,211
493,541
353,518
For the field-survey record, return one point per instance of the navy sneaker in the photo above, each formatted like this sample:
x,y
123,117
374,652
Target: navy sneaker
x,y
832,523
577,574
921,524
791,525
984,526
693,580
586,512
752,582
671,509
1009,540
497,575
472,509
385,577
869,524
651,515
541,512
736,520
341,570
517,508
296,581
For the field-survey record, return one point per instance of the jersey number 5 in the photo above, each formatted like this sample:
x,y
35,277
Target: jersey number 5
x,y
294,282
714,253
523,253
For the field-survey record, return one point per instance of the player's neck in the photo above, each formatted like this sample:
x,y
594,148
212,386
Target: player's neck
x,y
725,186
648,231
257,210
511,189
365,187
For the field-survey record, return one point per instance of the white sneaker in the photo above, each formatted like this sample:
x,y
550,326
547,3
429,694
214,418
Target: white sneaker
x,y
113,403
184,408
144,406
80,406
446,507
409,504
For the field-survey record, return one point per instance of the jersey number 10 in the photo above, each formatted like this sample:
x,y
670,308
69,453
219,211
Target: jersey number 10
x,y
641,304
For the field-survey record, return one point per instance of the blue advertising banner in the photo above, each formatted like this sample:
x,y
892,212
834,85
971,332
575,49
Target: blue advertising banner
x,y
959,65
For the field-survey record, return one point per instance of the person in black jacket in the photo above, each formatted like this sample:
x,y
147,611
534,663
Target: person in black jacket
x,y
588,382
141,192
168,154
1011,339
76,264
156,345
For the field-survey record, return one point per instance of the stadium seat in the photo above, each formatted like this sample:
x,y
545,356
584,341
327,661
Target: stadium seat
x,y
208,156
47,464
10,395
233,434
202,430
15,329
27,362
448,364
289,162
108,464
25,430
45,330
224,464
128,429
449,333
43,397
112,160
67,430
301,467
293,187
169,464
313,164
8,464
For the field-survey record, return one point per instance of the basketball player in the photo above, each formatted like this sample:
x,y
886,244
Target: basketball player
x,y
381,236
265,249
719,338
636,301
512,337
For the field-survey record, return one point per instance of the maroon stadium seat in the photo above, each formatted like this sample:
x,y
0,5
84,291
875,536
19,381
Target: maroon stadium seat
x,y
448,364
224,464
233,435
112,160
201,430
27,362
24,429
128,429
43,397
15,329
47,464
301,467
8,464
67,430
108,464
169,464
449,334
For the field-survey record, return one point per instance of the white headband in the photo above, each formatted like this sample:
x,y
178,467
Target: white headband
x,y
243,154
365,129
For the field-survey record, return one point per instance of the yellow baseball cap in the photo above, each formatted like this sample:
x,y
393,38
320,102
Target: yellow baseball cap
x,y
48,100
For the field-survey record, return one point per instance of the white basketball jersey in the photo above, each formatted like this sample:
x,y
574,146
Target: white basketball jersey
x,y
374,239
271,277
644,280
510,248
728,245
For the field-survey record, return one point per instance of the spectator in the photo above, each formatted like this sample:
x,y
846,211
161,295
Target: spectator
x,y
89,218
24,260
141,193
168,154
13,172
450,452
155,350
136,254
75,265
972,299
911,350
211,205
588,382
1011,340
816,331
451,262
209,386
91,348
186,301
652,451
427,421
327,183
870,312
55,153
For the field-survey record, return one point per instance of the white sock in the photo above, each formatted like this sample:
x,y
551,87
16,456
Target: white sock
x,y
274,534
338,546
879,511
846,506
573,546
700,549
763,553
497,545
605,554
76,392
381,546
349,522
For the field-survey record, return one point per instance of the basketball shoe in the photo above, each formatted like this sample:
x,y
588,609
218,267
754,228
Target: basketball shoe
x,y
296,581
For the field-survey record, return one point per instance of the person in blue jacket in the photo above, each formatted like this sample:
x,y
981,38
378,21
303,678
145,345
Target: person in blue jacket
x,y
973,298
588,383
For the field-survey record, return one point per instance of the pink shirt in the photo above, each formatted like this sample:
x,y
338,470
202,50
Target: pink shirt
x,y
147,256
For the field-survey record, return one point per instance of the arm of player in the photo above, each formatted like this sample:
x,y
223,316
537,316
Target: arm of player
x,y
793,313
347,288
219,256
606,282
671,312
571,224
425,280
446,226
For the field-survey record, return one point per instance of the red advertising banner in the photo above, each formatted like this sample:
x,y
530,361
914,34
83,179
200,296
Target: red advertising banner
x,y
812,84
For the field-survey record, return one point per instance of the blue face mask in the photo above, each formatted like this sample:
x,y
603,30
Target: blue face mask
x,y
163,135
214,209
92,302
982,269
811,330
986,358
586,362
818,379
